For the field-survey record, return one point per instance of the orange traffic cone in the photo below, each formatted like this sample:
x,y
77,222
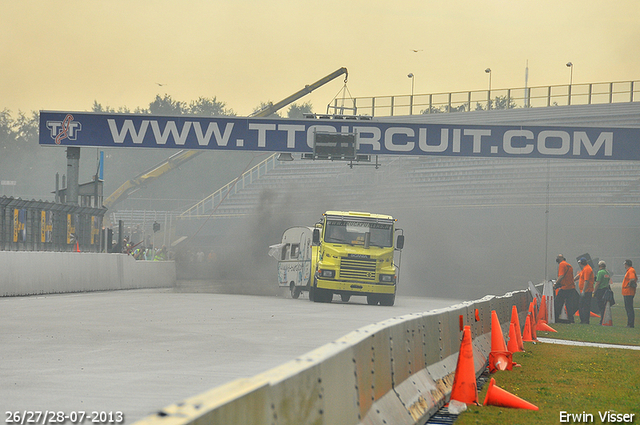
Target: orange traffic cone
x,y
532,315
497,339
516,322
542,313
607,320
543,326
527,336
532,310
512,346
500,360
496,396
77,247
465,388
499,357
591,314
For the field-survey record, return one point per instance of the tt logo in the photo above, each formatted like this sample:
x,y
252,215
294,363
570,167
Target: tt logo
x,y
67,129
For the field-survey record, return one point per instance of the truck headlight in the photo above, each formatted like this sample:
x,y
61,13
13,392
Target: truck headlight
x,y
387,278
327,273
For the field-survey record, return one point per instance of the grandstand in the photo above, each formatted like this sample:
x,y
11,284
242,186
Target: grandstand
x,y
448,181
302,189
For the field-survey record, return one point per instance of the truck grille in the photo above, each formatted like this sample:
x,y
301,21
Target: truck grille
x,y
358,268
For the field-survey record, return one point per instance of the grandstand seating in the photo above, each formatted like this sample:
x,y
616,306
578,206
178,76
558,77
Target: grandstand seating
x,y
450,181
300,185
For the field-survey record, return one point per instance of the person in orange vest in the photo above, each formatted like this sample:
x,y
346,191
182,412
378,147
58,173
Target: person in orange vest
x,y
629,284
567,294
585,282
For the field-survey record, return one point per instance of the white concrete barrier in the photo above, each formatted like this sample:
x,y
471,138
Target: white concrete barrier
x,y
398,371
33,273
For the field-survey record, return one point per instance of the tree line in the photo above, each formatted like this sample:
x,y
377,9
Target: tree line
x,y
34,167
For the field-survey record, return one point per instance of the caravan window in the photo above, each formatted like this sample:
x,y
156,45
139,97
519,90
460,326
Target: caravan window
x,y
295,250
283,253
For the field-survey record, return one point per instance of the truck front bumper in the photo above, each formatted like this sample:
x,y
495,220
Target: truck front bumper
x,y
355,287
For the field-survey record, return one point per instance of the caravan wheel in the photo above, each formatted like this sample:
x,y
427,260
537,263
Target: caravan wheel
x,y
295,291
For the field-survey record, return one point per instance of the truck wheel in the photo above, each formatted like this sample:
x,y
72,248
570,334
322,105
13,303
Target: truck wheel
x,y
312,294
388,300
372,300
323,296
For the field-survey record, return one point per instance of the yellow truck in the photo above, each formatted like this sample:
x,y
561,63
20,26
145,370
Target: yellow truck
x,y
351,253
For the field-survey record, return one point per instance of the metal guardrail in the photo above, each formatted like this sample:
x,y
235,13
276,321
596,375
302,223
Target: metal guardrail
x,y
143,217
465,101
231,188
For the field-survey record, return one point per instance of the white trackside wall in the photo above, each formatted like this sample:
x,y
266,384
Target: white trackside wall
x,y
34,272
398,371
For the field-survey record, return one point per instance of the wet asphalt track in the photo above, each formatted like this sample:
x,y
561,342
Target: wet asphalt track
x,y
137,351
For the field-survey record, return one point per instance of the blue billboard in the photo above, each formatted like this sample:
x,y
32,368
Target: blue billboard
x,y
374,137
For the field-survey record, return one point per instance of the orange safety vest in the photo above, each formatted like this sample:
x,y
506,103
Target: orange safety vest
x,y
628,277
567,281
586,276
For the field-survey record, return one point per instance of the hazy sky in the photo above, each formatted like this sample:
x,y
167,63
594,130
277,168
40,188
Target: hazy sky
x,y
63,55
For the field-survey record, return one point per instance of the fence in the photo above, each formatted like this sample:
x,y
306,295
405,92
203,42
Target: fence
x,y
48,226
465,101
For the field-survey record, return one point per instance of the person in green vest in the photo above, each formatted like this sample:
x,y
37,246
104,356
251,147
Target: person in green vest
x,y
161,255
603,279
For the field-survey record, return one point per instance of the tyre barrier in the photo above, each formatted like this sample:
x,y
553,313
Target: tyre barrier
x,y
45,272
399,371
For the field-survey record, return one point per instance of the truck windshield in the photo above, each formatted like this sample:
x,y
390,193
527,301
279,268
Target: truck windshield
x,y
353,233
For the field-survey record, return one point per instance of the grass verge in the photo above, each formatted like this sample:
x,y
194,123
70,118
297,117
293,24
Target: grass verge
x,y
577,380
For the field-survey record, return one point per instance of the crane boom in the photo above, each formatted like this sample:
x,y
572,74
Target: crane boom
x,y
305,91
183,156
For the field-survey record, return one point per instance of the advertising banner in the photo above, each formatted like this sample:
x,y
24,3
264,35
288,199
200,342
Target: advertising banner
x,y
19,225
71,228
374,137
46,226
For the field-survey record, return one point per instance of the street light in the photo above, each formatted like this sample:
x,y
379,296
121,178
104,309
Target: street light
x,y
570,65
488,71
410,75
